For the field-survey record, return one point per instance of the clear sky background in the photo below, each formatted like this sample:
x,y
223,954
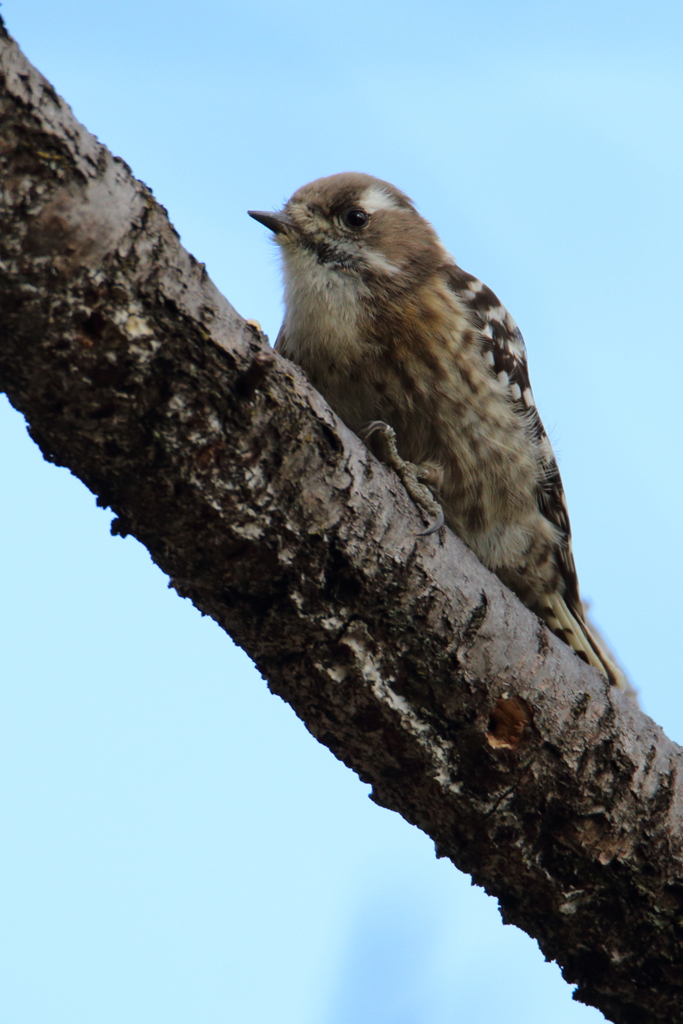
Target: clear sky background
x,y
176,848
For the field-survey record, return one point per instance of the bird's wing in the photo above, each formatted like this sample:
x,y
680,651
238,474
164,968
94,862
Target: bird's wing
x,y
505,353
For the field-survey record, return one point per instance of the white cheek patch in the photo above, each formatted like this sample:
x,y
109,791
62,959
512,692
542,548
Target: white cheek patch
x,y
376,261
375,198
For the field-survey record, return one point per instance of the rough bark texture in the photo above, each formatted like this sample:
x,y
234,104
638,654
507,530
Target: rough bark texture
x,y
410,661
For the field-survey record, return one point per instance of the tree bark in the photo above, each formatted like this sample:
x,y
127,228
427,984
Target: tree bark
x,y
402,654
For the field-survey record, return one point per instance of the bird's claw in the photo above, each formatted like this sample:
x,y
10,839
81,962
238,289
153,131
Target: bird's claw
x,y
408,472
368,429
440,521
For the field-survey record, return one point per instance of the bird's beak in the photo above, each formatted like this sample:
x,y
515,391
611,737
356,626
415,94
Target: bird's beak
x,y
280,223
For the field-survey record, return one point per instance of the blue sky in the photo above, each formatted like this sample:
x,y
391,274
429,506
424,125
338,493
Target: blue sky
x,y
177,847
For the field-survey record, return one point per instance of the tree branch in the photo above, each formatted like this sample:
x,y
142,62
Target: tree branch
x,y
409,660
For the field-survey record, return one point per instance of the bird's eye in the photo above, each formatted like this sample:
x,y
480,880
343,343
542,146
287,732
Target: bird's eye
x,y
356,218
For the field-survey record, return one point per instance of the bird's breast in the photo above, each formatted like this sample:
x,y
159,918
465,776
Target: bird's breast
x,y
416,362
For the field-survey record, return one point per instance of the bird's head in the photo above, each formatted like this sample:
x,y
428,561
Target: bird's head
x,y
355,225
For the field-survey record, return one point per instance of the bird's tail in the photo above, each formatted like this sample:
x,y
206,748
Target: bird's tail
x,y
583,637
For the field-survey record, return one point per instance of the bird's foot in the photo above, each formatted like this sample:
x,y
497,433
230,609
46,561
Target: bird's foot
x,y
412,477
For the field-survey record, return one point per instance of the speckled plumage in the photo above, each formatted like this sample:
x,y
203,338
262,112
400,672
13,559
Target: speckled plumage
x,y
388,327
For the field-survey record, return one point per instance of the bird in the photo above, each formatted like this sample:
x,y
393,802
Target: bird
x,y
402,342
